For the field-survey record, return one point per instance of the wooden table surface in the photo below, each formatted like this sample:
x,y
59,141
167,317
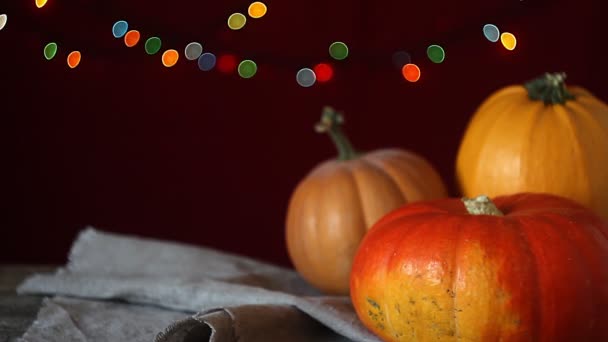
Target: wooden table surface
x,y
17,312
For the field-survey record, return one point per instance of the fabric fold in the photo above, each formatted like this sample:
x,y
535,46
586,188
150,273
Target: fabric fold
x,y
251,323
215,296
63,319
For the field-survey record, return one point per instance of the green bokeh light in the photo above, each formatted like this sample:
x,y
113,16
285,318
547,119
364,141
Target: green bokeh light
x,y
338,50
50,50
153,45
247,68
435,53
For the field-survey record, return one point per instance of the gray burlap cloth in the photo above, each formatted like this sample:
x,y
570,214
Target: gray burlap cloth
x,y
125,288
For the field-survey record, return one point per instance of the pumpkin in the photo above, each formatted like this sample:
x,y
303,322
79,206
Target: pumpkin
x,y
539,137
332,208
523,267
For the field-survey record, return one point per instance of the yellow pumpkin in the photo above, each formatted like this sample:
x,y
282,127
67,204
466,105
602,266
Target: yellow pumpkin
x,y
332,208
542,136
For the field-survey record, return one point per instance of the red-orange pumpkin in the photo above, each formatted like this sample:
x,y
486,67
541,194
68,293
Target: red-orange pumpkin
x,y
532,267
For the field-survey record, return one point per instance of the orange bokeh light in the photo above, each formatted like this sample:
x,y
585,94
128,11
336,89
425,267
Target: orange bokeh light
x,y
170,58
257,10
74,59
132,38
411,72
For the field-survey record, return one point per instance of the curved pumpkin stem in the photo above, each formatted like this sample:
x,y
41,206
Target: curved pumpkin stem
x,y
549,88
481,205
331,123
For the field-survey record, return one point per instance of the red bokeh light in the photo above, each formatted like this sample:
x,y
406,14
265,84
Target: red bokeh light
x,y
324,72
226,63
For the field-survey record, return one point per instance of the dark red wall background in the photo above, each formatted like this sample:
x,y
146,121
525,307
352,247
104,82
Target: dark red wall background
x,y
126,145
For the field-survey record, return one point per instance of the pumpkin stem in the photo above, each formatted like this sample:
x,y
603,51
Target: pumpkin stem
x,y
481,205
331,123
549,88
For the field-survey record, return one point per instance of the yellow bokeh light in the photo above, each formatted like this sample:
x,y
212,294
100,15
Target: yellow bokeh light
x,y
236,21
40,3
508,40
257,10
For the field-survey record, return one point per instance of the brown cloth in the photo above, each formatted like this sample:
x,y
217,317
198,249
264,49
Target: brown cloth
x,y
137,289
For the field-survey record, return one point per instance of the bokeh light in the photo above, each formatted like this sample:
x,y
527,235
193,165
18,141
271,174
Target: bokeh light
x,y
401,58
50,50
306,77
338,50
324,72
74,59
236,21
411,72
170,58
120,28
226,63
206,61
247,68
40,3
3,20
491,32
508,40
257,9
193,51
435,53
153,45
132,38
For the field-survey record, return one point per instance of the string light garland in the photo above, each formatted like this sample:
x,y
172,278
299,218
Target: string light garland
x,y
338,50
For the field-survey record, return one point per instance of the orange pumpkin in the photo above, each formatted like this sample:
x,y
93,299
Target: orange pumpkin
x,y
538,137
332,208
525,267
